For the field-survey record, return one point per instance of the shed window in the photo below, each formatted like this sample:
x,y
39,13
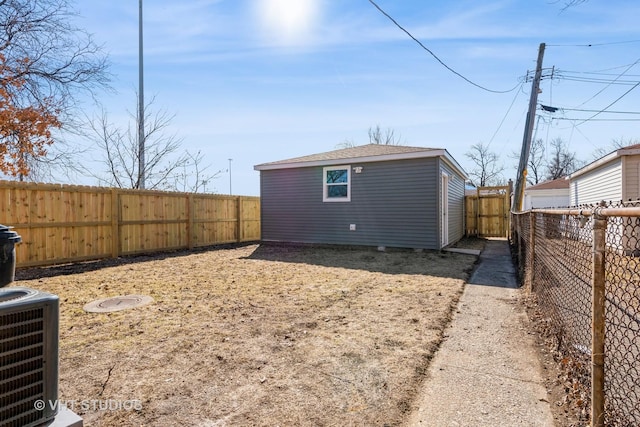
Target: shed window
x,y
336,184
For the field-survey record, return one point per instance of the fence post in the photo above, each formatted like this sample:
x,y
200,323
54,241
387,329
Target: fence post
x,y
476,204
520,239
190,214
478,211
240,224
115,223
508,200
598,317
532,250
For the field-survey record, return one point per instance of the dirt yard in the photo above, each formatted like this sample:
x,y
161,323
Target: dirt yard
x,y
254,335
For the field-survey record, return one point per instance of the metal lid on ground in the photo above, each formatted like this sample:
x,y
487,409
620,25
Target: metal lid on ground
x,y
118,303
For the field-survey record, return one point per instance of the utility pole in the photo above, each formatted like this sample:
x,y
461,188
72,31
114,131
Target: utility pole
x,y
521,179
141,136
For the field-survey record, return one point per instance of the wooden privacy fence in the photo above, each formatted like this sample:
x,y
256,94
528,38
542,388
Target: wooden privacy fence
x,y
487,212
65,223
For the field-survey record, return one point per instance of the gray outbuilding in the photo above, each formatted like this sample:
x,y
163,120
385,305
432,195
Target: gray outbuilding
x,y
371,195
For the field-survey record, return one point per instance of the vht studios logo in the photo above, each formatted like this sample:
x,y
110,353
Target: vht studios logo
x,y
89,405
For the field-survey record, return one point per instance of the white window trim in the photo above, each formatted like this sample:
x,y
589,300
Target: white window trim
x,y
325,186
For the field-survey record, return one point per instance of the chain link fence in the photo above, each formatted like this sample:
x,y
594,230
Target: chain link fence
x,y
556,253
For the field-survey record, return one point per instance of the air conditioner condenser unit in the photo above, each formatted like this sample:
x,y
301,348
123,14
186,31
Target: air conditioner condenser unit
x,y
28,356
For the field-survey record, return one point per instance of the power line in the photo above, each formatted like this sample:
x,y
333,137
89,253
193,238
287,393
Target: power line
x,y
595,73
608,69
594,120
596,111
575,128
594,44
505,116
435,56
607,107
615,80
608,82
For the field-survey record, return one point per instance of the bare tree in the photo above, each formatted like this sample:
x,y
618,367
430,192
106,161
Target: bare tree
x,y
376,136
386,137
347,143
561,162
60,160
488,169
166,166
54,62
615,144
537,162
193,176
55,59
535,166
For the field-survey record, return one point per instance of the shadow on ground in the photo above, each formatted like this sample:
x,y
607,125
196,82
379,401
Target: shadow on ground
x,y
391,261
29,273
495,267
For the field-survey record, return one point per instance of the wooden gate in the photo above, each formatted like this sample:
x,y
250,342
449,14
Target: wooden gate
x,y
487,212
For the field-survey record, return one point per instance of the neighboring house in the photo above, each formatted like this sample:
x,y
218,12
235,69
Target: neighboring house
x,y
614,177
470,191
372,195
548,194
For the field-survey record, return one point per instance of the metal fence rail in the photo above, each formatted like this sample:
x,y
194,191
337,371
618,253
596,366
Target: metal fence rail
x,y
583,265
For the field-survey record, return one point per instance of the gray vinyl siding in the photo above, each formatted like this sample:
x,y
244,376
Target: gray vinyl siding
x,y
603,183
393,203
455,202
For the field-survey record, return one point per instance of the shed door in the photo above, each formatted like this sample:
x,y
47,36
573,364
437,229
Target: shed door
x,y
444,210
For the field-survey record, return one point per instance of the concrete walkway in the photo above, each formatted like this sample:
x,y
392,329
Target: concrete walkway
x,y
486,373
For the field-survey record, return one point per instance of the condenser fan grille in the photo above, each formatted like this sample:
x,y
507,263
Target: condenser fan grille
x,y
21,362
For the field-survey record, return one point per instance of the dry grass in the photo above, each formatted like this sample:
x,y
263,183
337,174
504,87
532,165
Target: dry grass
x,y
255,335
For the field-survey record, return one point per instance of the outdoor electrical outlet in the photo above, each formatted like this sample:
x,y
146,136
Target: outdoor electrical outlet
x,y
352,227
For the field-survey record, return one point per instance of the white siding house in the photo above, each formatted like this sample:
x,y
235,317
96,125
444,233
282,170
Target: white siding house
x,y
603,182
548,194
612,178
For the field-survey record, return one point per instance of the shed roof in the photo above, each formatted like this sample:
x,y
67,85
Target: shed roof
x,y
363,154
555,184
615,154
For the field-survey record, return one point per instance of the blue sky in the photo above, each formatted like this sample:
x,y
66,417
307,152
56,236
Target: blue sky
x,y
265,80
